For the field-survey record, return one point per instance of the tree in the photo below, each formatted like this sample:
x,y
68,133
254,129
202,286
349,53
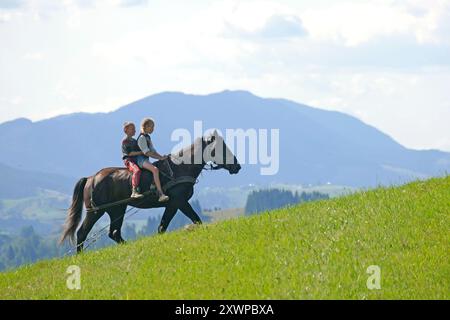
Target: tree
x,y
151,227
10,254
129,231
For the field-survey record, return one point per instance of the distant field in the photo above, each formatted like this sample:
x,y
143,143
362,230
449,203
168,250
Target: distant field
x,y
225,214
317,250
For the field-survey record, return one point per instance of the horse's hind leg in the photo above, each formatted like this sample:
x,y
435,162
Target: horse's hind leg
x,y
187,209
116,215
89,221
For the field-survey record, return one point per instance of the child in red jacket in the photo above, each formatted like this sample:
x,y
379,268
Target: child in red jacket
x,y
130,152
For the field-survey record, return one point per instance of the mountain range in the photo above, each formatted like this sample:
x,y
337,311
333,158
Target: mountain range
x,y
315,146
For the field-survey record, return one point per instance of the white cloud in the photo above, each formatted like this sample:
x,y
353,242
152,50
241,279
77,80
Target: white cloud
x,y
353,23
5,17
15,100
66,92
133,3
36,56
405,105
248,16
275,27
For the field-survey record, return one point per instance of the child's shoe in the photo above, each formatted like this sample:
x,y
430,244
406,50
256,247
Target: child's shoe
x,y
136,193
163,198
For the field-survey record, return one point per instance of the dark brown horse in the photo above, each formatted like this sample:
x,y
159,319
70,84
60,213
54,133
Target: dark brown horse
x,y
110,185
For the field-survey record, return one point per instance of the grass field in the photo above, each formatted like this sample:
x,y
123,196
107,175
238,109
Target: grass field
x,y
318,250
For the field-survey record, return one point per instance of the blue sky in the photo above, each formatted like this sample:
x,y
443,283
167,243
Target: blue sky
x,y
386,62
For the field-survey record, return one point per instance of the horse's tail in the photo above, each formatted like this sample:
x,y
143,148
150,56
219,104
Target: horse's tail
x,y
74,212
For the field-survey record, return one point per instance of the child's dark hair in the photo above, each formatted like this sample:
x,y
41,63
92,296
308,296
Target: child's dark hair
x,y
127,124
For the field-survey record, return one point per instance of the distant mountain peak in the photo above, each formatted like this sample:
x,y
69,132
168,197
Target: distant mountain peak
x,y
17,122
234,92
173,95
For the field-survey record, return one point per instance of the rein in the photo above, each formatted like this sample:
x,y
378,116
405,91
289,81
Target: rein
x,y
212,166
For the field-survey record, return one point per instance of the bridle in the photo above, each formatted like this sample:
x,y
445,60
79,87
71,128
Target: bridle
x,y
211,165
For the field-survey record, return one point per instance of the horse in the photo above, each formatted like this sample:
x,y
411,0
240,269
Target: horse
x,y
113,184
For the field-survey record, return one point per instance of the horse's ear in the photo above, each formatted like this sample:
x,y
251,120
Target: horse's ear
x,y
210,139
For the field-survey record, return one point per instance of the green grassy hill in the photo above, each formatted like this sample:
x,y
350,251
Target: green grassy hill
x,y
314,250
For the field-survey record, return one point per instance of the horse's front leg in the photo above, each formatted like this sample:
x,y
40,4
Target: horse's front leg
x,y
169,213
179,196
187,209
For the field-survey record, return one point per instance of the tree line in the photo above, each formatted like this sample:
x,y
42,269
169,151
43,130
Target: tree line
x,y
264,200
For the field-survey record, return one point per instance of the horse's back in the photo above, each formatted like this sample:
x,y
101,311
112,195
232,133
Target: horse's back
x,y
117,176
119,172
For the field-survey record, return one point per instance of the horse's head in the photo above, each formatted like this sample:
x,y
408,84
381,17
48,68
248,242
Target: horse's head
x,y
217,152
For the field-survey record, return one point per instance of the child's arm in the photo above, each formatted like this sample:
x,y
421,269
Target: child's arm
x,y
155,155
135,153
126,150
148,151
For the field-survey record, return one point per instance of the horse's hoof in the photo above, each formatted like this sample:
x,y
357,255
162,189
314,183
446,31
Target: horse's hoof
x,y
115,235
161,230
191,227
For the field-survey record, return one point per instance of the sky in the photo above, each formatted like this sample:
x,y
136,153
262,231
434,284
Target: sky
x,y
386,62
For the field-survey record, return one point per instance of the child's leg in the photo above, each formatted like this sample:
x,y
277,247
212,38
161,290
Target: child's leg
x,y
136,172
147,165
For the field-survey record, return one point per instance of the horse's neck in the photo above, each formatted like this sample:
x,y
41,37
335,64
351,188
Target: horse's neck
x,y
190,169
197,170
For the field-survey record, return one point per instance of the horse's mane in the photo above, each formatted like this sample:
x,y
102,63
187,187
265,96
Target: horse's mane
x,y
186,150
